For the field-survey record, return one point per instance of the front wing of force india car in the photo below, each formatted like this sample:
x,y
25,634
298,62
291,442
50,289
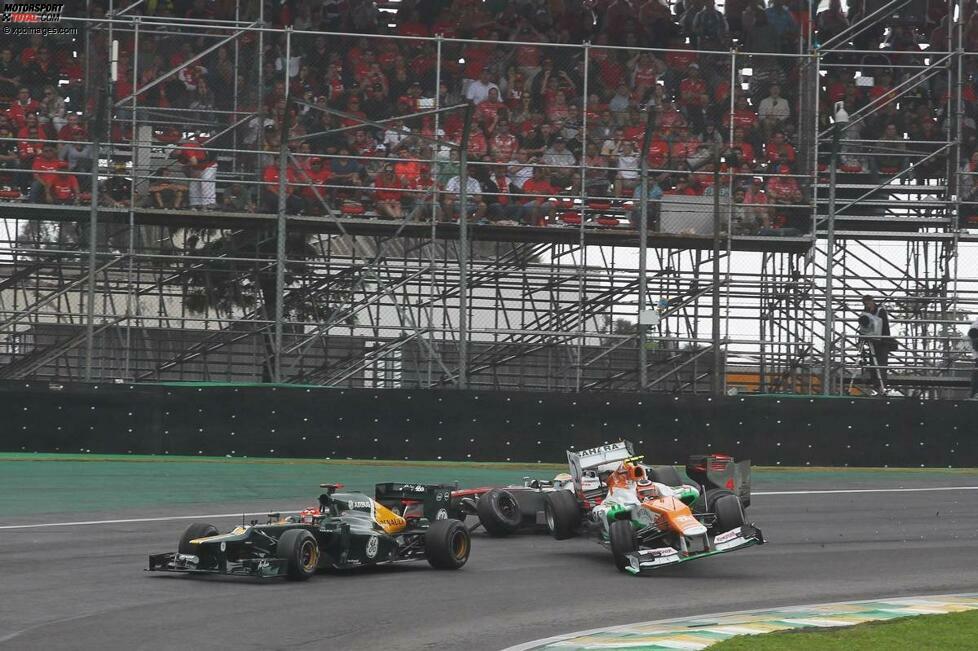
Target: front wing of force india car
x,y
403,522
649,524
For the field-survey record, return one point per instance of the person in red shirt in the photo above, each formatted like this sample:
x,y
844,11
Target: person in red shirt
x,y
31,139
503,144
488,112
658,153
784,189
72,130
746,149
743,116
45,166
387,194
270,188
64,189
537,207
22,107
779,150
315,176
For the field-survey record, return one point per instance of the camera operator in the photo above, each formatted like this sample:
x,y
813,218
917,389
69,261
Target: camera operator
x,y
973,340
874,331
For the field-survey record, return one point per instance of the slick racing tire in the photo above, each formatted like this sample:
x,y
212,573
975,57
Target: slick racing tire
x,y
713,495
499,512
667,475
194,531
563,514
621,535
447,544
300,550
730,513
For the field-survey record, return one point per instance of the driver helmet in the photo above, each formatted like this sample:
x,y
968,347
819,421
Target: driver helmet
x,y
645,490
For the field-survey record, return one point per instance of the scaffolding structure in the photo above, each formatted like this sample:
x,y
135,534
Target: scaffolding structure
x,y
116,290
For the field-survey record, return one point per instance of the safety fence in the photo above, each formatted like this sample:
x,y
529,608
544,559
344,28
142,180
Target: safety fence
x,y
234,202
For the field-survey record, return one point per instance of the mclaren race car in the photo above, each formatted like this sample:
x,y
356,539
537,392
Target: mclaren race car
x,y
649,524
403,522
505,510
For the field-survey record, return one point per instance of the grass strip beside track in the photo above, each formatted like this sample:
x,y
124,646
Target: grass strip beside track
x,y
35,484
946,632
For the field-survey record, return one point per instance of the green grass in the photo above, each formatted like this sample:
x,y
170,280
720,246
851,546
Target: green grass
x,y
923,632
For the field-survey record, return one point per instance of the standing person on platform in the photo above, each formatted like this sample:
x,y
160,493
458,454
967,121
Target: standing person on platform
x,y
201,169
879,343
973,341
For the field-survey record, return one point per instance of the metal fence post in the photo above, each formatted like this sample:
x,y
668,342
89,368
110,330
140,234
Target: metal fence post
x,y
463,253
280,253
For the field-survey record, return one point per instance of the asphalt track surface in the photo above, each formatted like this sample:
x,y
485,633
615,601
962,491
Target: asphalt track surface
x,y
82,587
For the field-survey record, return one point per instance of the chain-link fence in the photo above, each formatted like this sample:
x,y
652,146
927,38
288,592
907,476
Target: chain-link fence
x,y
222,200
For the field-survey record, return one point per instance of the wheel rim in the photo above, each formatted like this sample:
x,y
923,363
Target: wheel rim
x,y
309,555
507,505
460,545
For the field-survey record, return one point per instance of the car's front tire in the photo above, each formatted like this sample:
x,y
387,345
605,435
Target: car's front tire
x,y
194,531
729,512
300,550
447,544
621,535
563,514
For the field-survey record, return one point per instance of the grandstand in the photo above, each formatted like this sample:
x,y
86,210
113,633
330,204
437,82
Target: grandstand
x,y
569,195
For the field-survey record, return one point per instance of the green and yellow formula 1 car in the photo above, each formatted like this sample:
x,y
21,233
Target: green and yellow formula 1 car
x,y
402,522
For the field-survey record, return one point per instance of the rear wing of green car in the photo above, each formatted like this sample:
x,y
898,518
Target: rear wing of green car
x,y
433,497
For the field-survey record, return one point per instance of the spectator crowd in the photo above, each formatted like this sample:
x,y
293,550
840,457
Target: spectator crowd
x,y
556,128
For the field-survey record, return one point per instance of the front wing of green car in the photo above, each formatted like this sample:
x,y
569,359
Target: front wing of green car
x,y
190,564
648,560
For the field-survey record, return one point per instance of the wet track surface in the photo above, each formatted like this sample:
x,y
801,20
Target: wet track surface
x,y
83,586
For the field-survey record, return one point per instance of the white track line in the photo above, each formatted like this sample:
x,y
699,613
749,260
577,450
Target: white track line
x,y
132,520
238,515
868,490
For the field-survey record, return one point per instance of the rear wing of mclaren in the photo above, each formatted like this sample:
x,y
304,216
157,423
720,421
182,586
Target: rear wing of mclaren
x,y
721,471
581,460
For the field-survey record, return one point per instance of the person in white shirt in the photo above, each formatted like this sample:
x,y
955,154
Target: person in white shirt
x,y
774,105
973,341
627,176
519,169
475,207
396,134
478,90
561,159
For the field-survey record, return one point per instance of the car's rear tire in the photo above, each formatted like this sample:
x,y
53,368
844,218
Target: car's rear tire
x,y
621,535
499,512
300,550
447,544
667,475
563,514
729,512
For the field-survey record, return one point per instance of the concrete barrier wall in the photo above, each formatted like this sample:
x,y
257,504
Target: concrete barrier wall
x,y
290,421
